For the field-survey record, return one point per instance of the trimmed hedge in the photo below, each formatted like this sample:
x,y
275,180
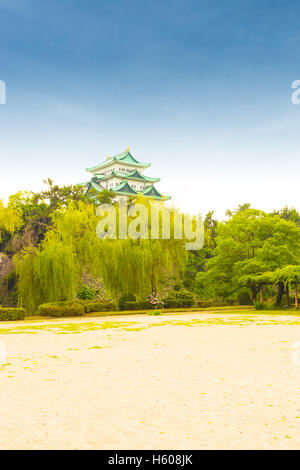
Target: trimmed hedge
x,y
180,299
12,314
137,306
168,303
61,309
128,297
172,303
215,303
74,309
98,306
204,303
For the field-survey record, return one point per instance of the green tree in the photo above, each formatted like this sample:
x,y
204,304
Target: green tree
x,y
72,246
289,275
289,214
248,245
57,197
10,218
36,211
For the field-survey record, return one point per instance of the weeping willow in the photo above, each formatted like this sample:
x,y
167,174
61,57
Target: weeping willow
x,y
53,271
137,266
46,275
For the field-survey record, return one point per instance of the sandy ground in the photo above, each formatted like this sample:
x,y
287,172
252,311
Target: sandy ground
x,y
196,381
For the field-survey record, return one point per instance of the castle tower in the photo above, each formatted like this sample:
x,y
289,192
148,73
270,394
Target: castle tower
x,y
124,176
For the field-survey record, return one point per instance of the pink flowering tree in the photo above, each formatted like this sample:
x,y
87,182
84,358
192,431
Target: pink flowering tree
x,y
155,301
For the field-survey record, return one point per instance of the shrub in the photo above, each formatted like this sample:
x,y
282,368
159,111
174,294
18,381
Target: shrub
x,y
128,297
186,298
244,298
187,303
86,293
284,301
180,299
172,303
98,306
95,284
154,301
177,287
61,309
137,306
224,303
204,303
259,305
12,314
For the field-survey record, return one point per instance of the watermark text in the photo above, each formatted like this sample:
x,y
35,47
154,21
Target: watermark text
x,y
296,94
138,222
2,92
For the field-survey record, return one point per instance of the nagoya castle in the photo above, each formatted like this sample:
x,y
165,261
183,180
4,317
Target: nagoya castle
x,y
124,176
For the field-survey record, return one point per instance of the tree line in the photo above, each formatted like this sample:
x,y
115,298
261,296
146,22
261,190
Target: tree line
x,y
251,256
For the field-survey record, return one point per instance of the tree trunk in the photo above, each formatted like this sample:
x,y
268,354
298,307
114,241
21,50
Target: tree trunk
x,y
280,292
261,291
288,294
253,291
296,295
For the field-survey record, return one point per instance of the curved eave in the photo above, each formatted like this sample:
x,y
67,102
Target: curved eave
x,y
152,180
127,176
97,186
99,176
161,198
122,189
125,193
157,195
115,160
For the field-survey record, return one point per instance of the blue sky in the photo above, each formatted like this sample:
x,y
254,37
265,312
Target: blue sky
x,y
201,89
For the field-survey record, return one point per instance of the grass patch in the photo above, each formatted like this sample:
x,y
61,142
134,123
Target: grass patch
x,y
151,312
64,328
238,317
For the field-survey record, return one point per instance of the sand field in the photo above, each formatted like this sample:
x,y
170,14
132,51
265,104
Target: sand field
x,y
192,381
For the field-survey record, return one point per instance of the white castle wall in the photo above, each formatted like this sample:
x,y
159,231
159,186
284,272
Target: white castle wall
x,y
117,166
124,169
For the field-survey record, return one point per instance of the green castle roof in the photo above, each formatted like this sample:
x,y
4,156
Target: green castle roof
x,y
133,175
124,157
125,188
151,191
96,186
136,175
99,176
